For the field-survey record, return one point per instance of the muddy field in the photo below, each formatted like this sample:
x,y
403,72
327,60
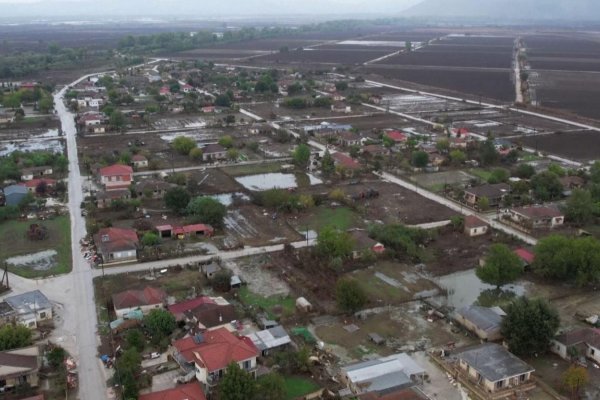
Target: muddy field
x,y
217,54
450,58
479,40
581,146
446,46
268,44
324,56
495,85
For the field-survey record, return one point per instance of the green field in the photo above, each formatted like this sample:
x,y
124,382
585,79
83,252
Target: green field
x,y
252,169
481,173
296,387
13,235
342,218
269,304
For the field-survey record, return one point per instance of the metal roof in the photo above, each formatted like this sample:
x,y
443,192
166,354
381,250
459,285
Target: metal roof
x,y
494,362
270,338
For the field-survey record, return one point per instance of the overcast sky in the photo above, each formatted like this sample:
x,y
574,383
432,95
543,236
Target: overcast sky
x,y
199,8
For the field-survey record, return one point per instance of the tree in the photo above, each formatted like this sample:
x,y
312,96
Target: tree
x,y
529,326
12,101
301,155
177,199
150,239
233,154
226,141
333,243
223,100
237,384
546,186
327,164
488,154
134,338
128,368
322,102
117,120
45,105
56,356
457,157
524,171
420,159
207,210
183,144
501,266
557,170
160,324
574,379
580,207
14,337
341,86
499,175
196,153
349,295
294,89
221,281
271,387
443,146
483,204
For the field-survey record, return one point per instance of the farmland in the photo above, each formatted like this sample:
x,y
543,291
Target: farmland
x,y
582,146
450,58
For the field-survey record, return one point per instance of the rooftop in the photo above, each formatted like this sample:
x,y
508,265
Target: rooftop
x,y
270,338
489,190
116,169
494,362
486,319
137,298
534,212
27,302
190,391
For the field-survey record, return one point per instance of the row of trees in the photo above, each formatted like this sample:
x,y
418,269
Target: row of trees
x,y
199,209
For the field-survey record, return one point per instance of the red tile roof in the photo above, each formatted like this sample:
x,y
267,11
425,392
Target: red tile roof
x,y
116,169
534,212
218,349
345,161
190,391
397,136
472,221
179,308
138,157
35,182
137,298
525,255
116,239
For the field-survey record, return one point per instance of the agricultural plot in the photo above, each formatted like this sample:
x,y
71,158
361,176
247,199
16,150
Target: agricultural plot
x,y
450,58
325,56
267,44
479,40
565,64
217,54
581,146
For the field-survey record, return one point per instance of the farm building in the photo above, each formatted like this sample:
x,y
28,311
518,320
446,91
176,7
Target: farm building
x,y
146,300
475,226
139,161
209,270
181,232
153,188
496,370
585,342
270,340
28,174
303,305
527,257
485,322
104,199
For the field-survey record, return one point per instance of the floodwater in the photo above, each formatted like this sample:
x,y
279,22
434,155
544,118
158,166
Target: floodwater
x,y
464,288
47,141
275,180
227,198
40,261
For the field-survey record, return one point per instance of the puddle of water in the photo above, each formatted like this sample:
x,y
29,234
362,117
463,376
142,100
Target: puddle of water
x,y
464,288
40,261
52,145
275,180
227,198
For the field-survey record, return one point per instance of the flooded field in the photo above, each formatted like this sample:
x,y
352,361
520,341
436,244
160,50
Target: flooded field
x,y
227,199
275,180
40,261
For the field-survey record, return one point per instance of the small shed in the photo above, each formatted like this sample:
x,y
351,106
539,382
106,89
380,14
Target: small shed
x,y
165,231
303,305
210,269
376,338
235,282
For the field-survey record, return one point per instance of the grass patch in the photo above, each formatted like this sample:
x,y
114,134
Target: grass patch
x,y
296,386
13,234
252,169
342,218
527,157
269,304
482,174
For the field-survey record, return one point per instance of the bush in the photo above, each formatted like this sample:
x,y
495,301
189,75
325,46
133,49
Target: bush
x,y
183,144
349,295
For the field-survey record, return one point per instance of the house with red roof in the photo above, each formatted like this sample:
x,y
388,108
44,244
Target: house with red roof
x,y
165,91
47,183
139,161
179,309
189,391
146,300
210,353
346,162
397,137
117,176
115,245
187,88
475,226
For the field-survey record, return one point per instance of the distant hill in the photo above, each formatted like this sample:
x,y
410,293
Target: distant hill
x,y
584,10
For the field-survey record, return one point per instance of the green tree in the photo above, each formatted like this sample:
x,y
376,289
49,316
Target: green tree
x,y
529,326
323,102
236,384
56,356
499,175
12,101
483,204
177,199
443,146
207,210
546,186
134,338
271,387
341,86
46,104
14,337
457,157
488,155
128,368
301,155
524,171
150,239
327,164
223,100
333,243
349,295
117,120
501,266
196,153
580,207
574,379
233,154
420,159
226,141
557,170
160,324
183,144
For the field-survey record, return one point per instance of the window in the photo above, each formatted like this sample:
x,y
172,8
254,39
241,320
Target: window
x,y
523,377
592,352
247,364
43,315
499,384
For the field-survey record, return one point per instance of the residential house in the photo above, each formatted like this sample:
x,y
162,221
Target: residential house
x,y
341,107
146,300
18,367
485,322
36,185
7,314
214,152
189,391
494,193
495,370
7,118
117,176
532,217
349,139
165,91
208,109
116,245
154,188
578,343
209,354
187,88
28,174
363,243
383,375
270,340
13,194
139,161
375,150
104,199
459,133
475,226
397,137
210,315
91,119
179,309
30,308
345,162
